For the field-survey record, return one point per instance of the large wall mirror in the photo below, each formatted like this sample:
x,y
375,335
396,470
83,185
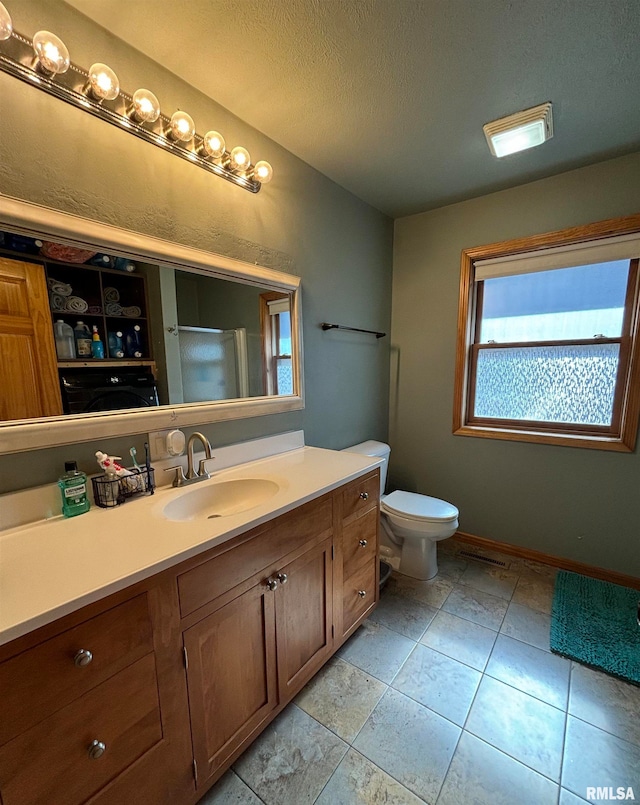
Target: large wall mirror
x,y
107,332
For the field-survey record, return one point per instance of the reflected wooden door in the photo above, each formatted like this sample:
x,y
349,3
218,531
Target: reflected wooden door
x,y
28,365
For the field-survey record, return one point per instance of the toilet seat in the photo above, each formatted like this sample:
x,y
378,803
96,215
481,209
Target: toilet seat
x,y
423,508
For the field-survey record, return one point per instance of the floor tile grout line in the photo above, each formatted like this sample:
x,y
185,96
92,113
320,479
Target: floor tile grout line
x,y
446,774
606,732
512,757
517,760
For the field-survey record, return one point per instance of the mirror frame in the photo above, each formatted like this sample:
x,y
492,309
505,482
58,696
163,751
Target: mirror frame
x,y
34,220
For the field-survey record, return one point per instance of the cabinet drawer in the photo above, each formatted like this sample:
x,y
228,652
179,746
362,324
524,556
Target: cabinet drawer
x,y
50,764
360,495
43,679
223,572
359,542
354,604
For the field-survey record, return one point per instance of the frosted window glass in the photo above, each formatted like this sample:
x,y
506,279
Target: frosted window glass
x,y
285,376
570,384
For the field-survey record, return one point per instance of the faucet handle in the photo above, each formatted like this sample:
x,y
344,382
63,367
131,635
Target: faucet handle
x,y
202,468
180,478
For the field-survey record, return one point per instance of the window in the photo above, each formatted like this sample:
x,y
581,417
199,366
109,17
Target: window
x,y
549,338
275,313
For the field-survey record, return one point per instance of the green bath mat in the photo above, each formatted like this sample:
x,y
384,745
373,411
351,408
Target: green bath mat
x,y
596,623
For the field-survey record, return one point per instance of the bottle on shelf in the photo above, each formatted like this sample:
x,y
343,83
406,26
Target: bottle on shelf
x,y
133,342
73,489
101,260
65,342
82,335
97,347
116,344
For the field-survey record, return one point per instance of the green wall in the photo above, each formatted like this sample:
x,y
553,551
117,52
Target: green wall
x,y
301,223
575,503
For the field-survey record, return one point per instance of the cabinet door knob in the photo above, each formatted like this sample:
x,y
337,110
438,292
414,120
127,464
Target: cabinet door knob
x,y
272,584
82,657
364,495
363,543
362,593
282,578
96,749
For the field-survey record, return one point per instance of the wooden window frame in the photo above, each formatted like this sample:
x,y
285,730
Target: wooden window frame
x,y
270,339
621,435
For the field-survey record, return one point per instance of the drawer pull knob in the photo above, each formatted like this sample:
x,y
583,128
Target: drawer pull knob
x,y
282,578
272,584
362,593
96,749
82,658
363,543
364,495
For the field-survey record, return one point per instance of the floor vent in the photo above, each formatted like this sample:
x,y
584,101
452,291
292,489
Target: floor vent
x,y
478,557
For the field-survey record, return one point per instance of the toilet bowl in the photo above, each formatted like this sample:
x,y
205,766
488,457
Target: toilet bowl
x,y
411,524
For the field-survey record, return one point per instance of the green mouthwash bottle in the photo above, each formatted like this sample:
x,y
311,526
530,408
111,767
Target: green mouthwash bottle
x,y
73,488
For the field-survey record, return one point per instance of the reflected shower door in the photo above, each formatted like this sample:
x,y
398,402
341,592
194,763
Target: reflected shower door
x,y
213,364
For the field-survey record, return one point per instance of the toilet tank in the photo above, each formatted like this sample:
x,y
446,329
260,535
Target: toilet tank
x,y
377,450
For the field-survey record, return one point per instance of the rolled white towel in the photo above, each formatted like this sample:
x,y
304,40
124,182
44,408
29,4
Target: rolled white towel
x,y
113,309
74,304
133,312
61,288
57,301
111,295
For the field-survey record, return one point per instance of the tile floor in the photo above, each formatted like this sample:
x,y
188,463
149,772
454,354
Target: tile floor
x,y
448,695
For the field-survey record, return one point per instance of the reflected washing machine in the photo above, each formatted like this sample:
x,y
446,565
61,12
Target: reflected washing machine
x,y
89,390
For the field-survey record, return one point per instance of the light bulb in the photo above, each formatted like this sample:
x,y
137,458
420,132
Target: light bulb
x,y
181,127
51,53
213,144
103,82
6,26
146,107
262,172
239,159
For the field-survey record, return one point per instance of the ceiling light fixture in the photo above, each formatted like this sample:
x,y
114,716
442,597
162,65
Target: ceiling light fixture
x,y
520,131
98,92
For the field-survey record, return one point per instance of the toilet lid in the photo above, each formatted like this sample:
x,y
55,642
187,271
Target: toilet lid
x,y
418,507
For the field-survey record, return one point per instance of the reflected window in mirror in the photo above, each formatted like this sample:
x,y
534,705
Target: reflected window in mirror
x,y
275,318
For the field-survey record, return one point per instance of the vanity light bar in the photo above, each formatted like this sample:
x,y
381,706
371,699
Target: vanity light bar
x,y
82,89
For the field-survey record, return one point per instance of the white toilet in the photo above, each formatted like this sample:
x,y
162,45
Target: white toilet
x,y
412,524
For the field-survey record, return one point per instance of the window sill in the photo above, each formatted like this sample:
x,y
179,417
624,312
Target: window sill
x,y
545,437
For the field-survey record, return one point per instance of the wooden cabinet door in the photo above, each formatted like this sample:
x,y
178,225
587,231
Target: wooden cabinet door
x,y
28,363
304,617
231,675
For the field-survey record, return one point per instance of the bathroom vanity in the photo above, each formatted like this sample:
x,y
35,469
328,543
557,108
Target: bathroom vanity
x,y
152,689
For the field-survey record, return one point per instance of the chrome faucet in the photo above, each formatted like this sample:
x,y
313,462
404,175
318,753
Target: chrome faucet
x,y
202,473
192,476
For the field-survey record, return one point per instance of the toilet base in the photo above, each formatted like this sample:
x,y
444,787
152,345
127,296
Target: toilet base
x,y
419,559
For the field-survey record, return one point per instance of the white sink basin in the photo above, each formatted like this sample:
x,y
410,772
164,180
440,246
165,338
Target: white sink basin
x,y
220,499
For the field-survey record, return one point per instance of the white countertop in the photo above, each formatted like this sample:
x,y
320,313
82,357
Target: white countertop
x,y
51,568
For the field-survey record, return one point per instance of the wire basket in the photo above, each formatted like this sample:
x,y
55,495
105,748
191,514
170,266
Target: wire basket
x,y
109,492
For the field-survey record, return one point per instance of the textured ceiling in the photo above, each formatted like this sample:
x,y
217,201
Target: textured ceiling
x,y
388,97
